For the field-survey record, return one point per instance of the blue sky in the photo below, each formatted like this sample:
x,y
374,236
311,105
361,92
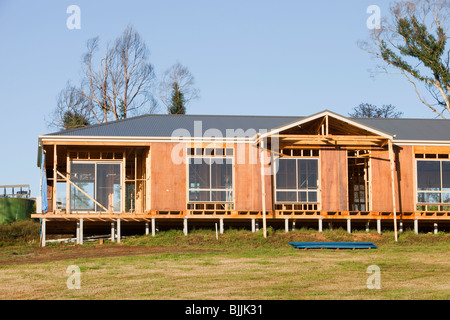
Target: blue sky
x,y
248,58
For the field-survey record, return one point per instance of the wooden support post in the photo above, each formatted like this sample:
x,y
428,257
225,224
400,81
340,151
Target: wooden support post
x,y
416,226
392,162
379,226
81,231
78,232
221,226
135,182
55,178
153,227
146,228
119,230
123,187
286,225
320,224
253,225
349,225
43,232
263,189
68,184
112,231
185,226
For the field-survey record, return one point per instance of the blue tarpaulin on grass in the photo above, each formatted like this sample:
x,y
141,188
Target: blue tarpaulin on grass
x,y
333,245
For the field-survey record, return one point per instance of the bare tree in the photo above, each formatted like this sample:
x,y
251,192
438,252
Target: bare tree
x,y
413,43
177,81
367,110
72,109
121,83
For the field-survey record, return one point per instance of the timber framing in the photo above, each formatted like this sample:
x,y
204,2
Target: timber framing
x,y
154,176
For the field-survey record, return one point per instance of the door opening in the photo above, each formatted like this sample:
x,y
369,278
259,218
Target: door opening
x,y
358,182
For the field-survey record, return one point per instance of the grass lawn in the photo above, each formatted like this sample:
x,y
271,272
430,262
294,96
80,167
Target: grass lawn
x,y
240,265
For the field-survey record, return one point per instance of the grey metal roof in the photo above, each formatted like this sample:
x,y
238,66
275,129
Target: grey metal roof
x,y
166,125
412,129
158,125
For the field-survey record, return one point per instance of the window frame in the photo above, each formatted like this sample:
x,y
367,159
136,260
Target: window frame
x,y
95,163
224,157
297,190
441,191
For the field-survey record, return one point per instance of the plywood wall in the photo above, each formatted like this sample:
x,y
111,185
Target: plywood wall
x,y
168,179
334,179
403,177
248,196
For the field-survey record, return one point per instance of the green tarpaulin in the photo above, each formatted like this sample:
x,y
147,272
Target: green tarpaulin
x,y
14,209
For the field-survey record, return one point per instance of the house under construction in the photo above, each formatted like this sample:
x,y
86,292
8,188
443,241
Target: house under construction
x,y
162,170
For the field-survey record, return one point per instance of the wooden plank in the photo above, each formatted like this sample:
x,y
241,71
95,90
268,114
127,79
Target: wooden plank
x,y
404,180
169,184
333,179
392,165
68,184
55,166
432,149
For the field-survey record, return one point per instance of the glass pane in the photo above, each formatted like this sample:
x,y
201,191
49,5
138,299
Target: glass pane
x,y
286,175
428,197
446,175
307,174
82,175
129,197
199,196
61,196
428,175
446,197
221,196
286,196
303,196
108,186
221,176
199,174
312,196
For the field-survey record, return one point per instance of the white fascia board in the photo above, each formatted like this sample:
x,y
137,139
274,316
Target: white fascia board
x,y
141,139
422,143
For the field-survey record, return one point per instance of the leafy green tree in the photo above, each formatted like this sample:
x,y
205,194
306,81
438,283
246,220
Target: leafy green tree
x,y
413,42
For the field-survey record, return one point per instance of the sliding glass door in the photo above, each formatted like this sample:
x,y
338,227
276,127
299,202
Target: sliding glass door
x,y
98,180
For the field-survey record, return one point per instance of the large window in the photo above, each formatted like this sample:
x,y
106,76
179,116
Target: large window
x,y
433,181
100,181
211,179
296,180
